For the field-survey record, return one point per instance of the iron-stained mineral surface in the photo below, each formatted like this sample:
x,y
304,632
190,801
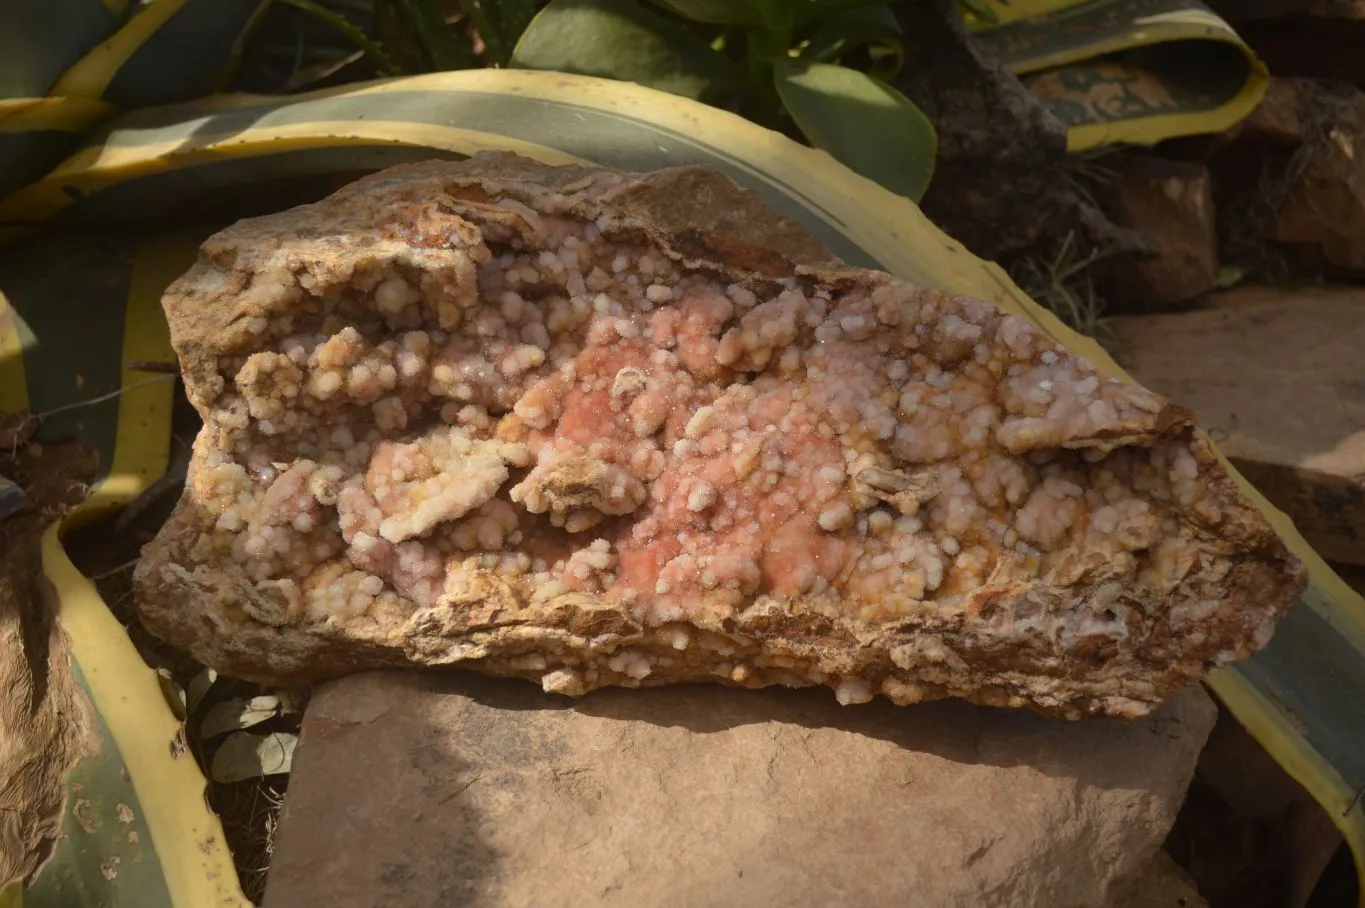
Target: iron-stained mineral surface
x,y
595,428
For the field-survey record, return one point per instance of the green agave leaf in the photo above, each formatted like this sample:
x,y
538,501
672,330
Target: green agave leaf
x,y
875,28
862,122
41,38
246,756
235,714
182,59
620,39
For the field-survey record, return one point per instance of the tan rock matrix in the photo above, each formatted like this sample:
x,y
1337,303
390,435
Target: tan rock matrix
x,y
595,428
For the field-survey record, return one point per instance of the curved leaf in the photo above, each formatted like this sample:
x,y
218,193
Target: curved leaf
x,y
620,39
862,122
235,714
875,28
173,692
246,756
199,686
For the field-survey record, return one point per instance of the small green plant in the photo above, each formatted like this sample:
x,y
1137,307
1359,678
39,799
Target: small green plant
x,y
1065,286
820,65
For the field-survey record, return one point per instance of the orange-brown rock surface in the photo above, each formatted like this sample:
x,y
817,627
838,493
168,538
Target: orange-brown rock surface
x,y
596,428
427,790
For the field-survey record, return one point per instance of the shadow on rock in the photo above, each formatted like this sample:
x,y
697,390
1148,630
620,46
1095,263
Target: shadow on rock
x,y
457,789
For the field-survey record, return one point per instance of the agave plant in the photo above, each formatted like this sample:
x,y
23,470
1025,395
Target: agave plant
x,y
781,63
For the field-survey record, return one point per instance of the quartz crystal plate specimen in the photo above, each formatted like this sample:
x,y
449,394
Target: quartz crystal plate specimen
x,y
596,428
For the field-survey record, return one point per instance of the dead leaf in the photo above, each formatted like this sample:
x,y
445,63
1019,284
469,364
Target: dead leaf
x,y
236,714
199,686
246,756
173,692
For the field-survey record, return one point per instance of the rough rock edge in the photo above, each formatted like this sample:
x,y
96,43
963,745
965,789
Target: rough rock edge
x,y
706,222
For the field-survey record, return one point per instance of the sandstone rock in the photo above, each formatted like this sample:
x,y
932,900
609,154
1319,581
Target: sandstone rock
x,y
593,428
435,790
1171,204
1325,208
1277,120
1275,376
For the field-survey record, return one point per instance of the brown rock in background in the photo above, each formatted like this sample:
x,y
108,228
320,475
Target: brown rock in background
x,y
435,790
1277,377
1170,203
1277,120
1325,207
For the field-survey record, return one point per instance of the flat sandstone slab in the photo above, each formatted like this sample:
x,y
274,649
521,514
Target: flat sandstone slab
x,y
598,429
1278,377
428,791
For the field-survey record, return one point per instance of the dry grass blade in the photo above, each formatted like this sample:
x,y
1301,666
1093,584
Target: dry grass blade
x,y
250,815
90,402
1247,224
1064,286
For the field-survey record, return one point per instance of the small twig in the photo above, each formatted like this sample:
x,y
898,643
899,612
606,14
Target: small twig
x,y
16,429
154,365
103,397
105,575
